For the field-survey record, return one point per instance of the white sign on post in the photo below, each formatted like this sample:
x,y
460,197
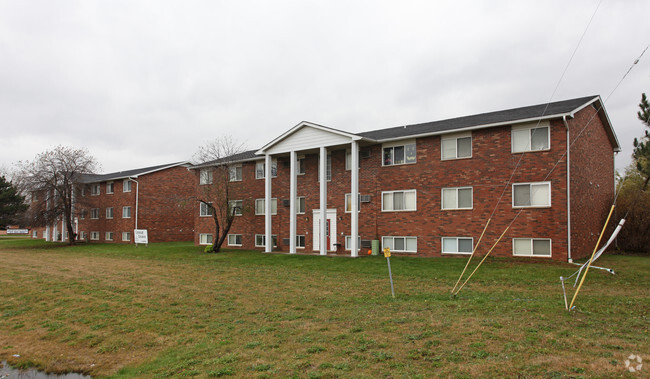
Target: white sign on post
x,y
140,236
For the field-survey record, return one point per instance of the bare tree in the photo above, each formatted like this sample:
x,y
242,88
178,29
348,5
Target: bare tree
x,y
215,164
52,176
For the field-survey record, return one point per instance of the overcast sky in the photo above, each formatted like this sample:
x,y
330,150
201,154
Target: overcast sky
x,y
141,83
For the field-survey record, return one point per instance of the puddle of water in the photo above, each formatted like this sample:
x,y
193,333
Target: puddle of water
x,y
7,372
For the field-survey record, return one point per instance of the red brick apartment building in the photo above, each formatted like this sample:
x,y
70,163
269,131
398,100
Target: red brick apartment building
x,y
109,207
429,189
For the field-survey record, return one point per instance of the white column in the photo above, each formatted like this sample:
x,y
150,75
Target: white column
x,y
267,204
354,198
323,201
292,203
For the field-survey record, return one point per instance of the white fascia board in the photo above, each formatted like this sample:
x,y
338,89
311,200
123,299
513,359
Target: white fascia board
x,y
600,109
204,165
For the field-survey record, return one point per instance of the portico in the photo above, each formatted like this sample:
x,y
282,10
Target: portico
x,y
312,138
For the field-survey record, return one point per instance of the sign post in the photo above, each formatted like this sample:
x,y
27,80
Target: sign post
x,y
140,236
390,274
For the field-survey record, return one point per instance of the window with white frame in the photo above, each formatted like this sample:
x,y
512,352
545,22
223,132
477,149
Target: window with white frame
x,y
457,245
260,206
300,242
109,212
457,198
109,236
126,212
300,205
94,236
94,213
348,160
82,214
95,189
348,242
126,185
205,239
236,173
328,168
237,206
399,153
205,176
301,165
400,244
260,240
126,236
205,210
110,187
348,203
398,200
531,137
531,194
234,240
82,235
531,247
456,146
260,169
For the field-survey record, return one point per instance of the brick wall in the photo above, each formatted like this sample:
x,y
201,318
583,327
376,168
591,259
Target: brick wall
x,y
592,181
162,207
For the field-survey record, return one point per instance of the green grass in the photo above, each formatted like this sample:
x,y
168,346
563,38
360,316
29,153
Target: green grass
x,y
169,310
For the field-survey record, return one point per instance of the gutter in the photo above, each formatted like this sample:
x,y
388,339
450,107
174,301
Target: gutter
x,y
568,188
137,195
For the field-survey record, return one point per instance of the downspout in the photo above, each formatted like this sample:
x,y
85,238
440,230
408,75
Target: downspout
x,y
568,189
137,195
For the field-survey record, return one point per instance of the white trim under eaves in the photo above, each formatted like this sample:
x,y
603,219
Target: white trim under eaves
x,y
477,127
352,136
600,109
204,165
108,177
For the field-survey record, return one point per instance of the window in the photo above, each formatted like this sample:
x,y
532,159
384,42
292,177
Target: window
x,y
94,213
348,203
300,205
457,245
94,189
348,160
400,244
82,235
531,247
205,176
94,236
82,214
328,168
300,242
126,185
301,165
348,242
234,240
205,239
398,200
260,170
110,187
126,212
109,236
399,154
236,173
260,240
530,137
456,146
260,206
238,206
531,195
34,234
126,236
109,212
457,198
205,210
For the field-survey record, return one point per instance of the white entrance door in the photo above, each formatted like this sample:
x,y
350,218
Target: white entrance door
x,y
330,229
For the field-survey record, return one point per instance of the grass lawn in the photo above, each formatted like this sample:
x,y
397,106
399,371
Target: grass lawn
x,y
171,310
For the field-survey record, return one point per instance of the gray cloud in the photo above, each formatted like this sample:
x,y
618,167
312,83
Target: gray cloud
x,y
146,82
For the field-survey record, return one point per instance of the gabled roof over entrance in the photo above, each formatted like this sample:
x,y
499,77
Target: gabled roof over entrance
x,y
307,135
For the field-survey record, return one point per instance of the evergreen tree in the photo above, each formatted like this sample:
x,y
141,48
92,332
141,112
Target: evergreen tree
x,y
11,202
641,153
